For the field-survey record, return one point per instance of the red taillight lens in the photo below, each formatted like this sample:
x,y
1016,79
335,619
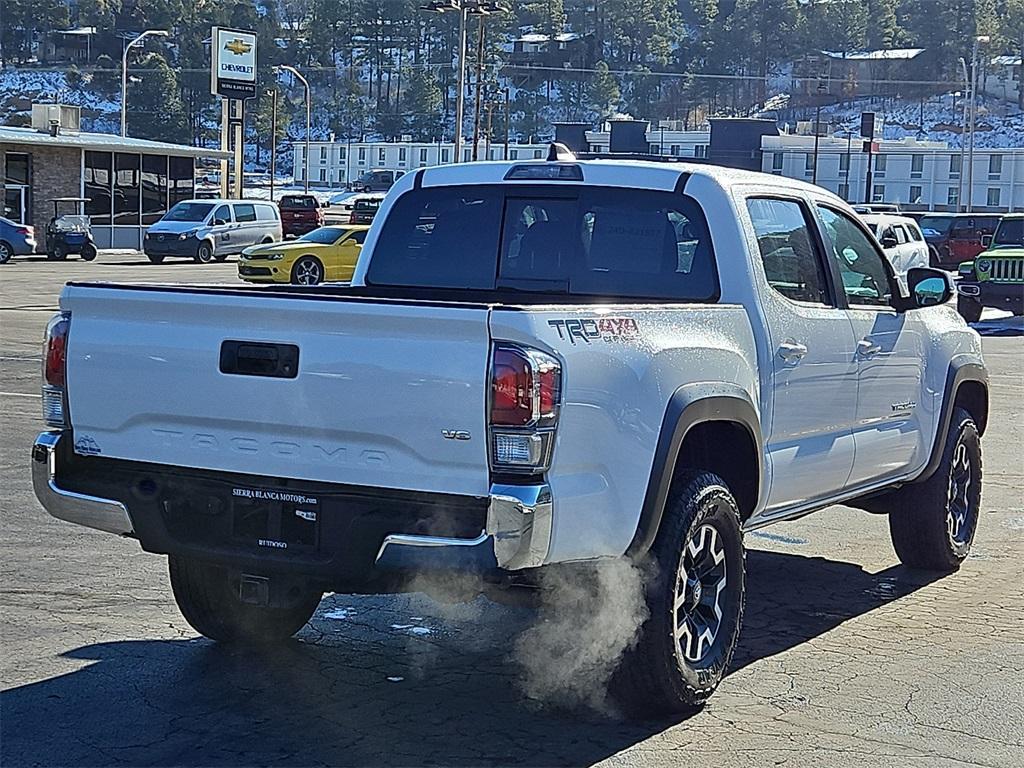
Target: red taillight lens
x,y
55,354
511,388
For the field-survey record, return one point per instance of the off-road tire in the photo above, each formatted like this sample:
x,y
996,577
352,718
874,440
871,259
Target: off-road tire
x,y
920,522
59,253
89,252
969,309
654,678
207,597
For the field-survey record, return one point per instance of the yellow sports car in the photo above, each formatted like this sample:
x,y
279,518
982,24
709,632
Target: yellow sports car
x,y
328,253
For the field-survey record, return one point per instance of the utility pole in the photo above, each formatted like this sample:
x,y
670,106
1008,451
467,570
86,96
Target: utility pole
x,y
963,138
480,32
508,120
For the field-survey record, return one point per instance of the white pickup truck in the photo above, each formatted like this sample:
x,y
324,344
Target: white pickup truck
x,y
537,364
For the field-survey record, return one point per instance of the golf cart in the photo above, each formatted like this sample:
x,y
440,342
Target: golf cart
x,y
69,232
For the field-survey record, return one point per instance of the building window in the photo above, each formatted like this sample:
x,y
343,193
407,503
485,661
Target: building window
x,y
401,154
953,197
127,190
878,194
655,149
362,154
995,166
955,166
323,154
776,162
915,194
844,163
881,161
537,154
445,155
16,168
513,154
808,163
323,174
342,152
993,197
423,155
154,188
465,155
701,150
844,191
916,166
381,155
98,177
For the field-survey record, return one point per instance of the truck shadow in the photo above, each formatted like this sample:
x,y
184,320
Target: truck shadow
x,y
359,688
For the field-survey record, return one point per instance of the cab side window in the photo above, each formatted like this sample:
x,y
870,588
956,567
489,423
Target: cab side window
x,y
792,263
223,213
861,266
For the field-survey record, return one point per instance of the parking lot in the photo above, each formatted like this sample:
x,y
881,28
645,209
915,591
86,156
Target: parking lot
x,y
846,658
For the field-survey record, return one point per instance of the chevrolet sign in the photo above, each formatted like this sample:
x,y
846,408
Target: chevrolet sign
x,y
233,70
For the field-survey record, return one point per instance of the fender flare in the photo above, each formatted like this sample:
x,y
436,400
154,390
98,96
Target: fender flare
x,y
690,405
962,368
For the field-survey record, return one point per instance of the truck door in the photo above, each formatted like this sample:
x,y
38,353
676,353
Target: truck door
x,y
890,355
814,369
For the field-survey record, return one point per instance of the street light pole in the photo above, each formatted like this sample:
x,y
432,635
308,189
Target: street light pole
x,y
273,139
124,73
974,114
817,129
479,76
305,85
963,138
460,99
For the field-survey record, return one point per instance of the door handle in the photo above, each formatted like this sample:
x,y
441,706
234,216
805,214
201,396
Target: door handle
x,y
791,351
868,348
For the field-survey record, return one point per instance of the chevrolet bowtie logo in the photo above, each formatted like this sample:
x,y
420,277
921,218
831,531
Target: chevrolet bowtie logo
x,y
238,47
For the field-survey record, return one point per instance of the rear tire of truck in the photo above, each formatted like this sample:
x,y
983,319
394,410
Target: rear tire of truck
x,y
695,595
932,523
207,597
969,309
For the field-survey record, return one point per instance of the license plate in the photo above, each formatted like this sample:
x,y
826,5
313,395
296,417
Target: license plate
x,y
275,519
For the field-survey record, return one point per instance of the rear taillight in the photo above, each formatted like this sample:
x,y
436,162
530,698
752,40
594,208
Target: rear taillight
x,y
26,231
55,349
525,396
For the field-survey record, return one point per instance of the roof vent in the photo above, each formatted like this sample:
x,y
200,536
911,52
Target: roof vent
x,y
56,118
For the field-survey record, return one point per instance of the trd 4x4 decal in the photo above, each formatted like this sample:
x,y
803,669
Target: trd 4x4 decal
x,y
596,329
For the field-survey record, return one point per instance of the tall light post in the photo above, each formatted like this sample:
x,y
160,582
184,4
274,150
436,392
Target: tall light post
x,y
963,137
124,73
817,127
272,93
305,85
463,8
974,114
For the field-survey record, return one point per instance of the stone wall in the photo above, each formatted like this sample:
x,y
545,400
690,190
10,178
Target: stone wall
x,y
55,172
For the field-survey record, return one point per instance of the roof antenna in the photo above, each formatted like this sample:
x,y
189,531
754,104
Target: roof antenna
x,y
559,152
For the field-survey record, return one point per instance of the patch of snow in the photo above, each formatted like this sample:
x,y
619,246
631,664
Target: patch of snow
x,y
341,613
396,679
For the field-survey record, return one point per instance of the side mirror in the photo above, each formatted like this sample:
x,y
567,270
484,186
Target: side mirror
x,y
928,287
890,241
986,240
219,222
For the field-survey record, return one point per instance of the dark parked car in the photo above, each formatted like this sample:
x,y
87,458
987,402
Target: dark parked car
x,y
956,237
300,214
364,210
378,180
15,240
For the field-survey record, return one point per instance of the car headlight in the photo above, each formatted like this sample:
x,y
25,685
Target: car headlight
x,y
187,235
984,265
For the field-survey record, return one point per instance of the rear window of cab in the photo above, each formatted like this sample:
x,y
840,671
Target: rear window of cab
x,y
298,201
564,240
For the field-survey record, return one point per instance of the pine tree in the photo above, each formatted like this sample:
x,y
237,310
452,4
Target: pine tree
x,y
423,106
604,94
156,109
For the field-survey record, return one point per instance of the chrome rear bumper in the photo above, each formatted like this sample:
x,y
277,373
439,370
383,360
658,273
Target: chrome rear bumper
x,y
90,511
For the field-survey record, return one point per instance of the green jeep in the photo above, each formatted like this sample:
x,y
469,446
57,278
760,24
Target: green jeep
x,y
996,276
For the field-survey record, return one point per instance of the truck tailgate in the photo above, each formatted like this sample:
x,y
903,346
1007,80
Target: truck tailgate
x,y
378,386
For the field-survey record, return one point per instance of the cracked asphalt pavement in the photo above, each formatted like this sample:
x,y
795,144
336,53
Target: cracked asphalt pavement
x,y
846,658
